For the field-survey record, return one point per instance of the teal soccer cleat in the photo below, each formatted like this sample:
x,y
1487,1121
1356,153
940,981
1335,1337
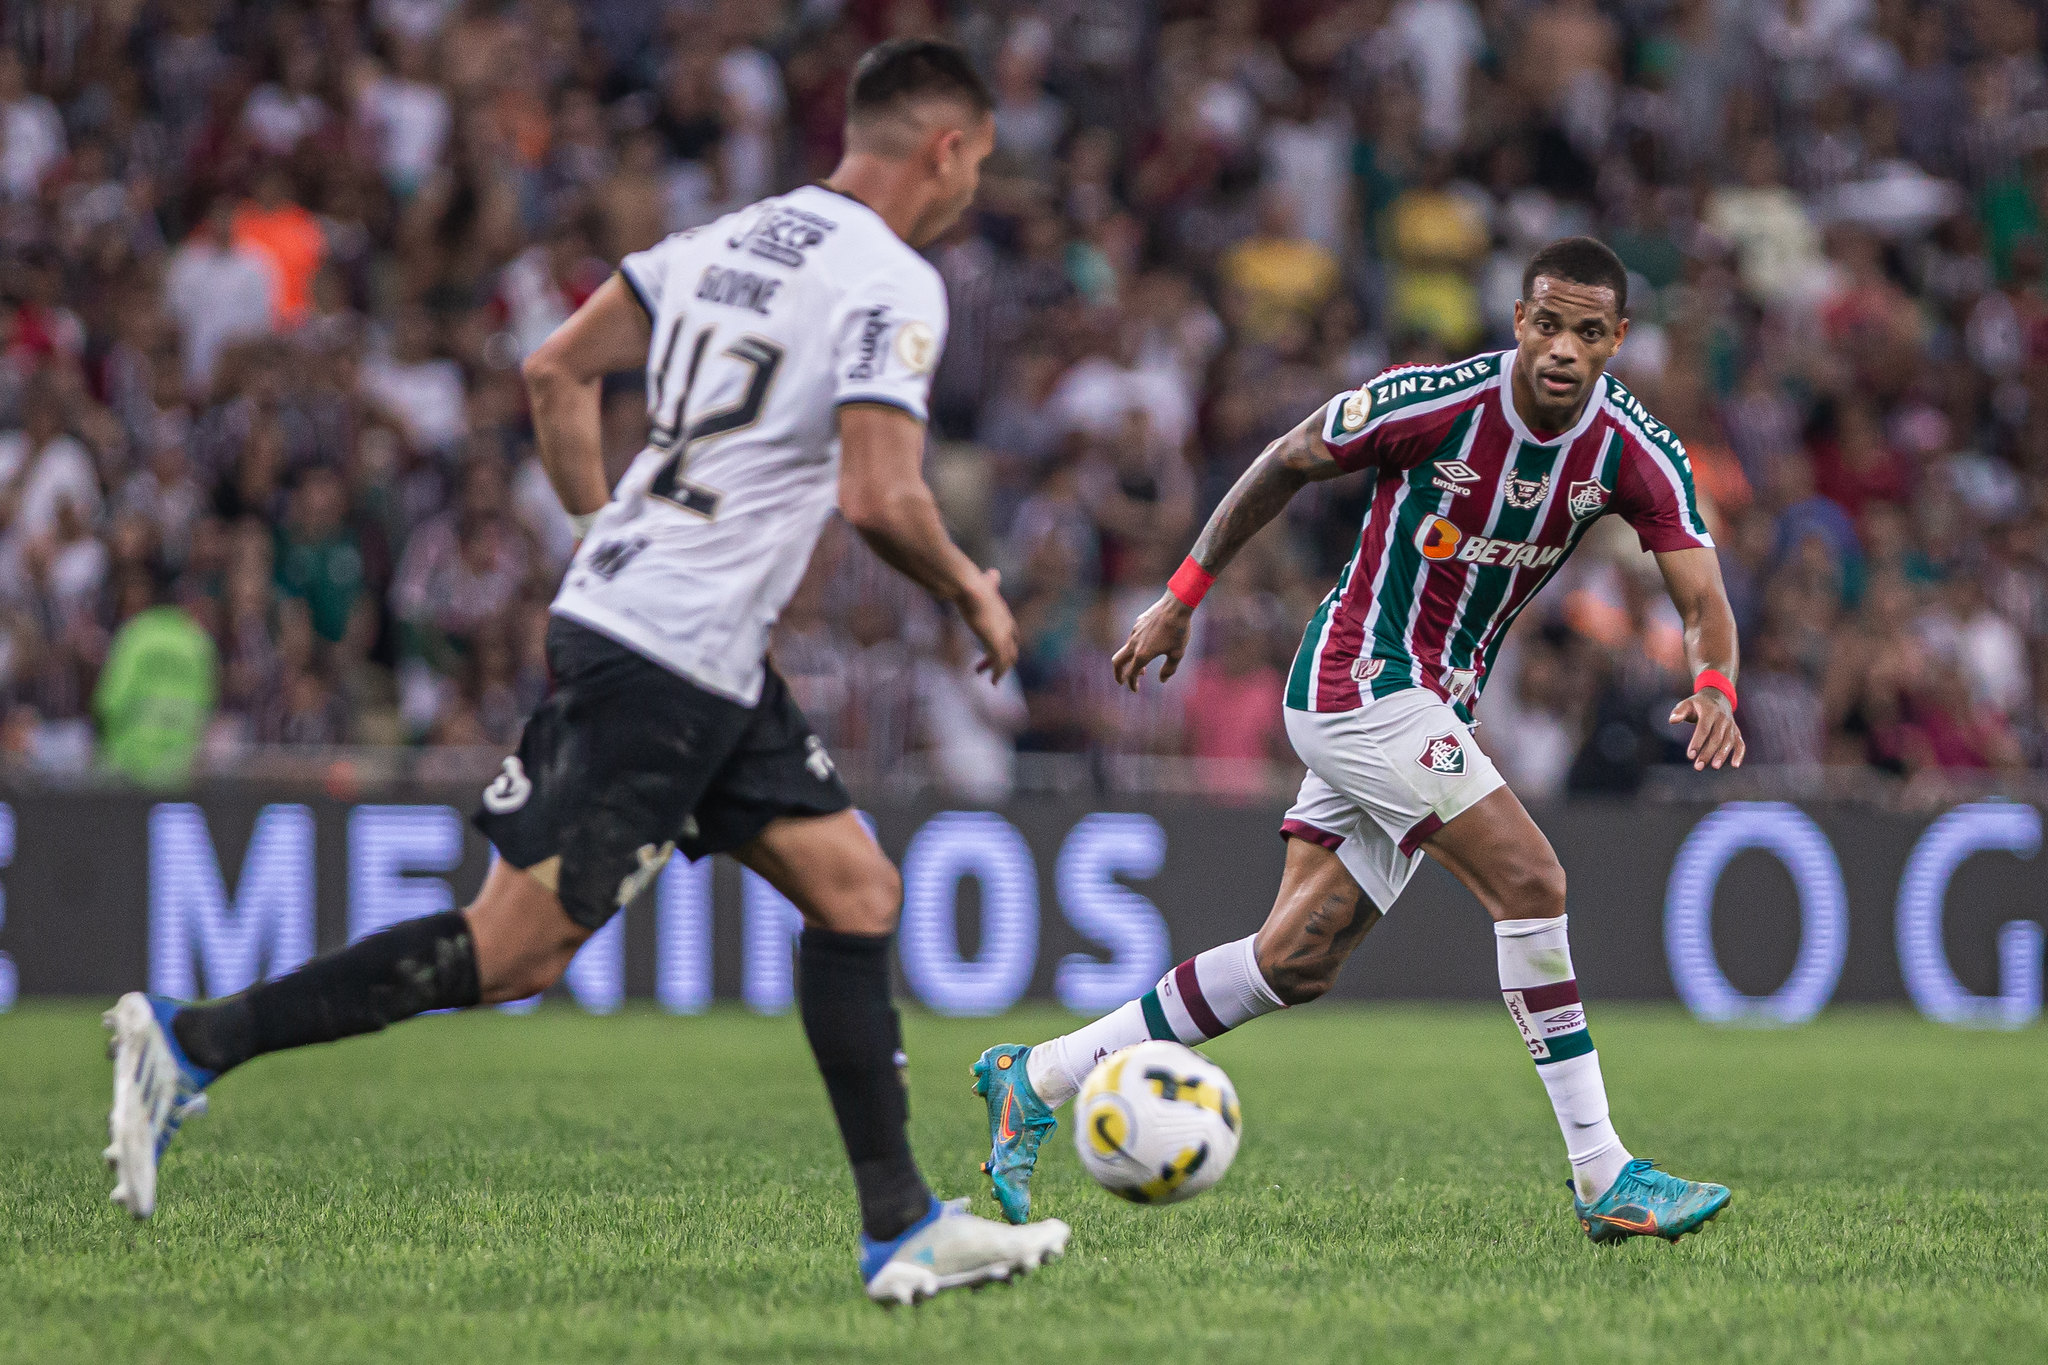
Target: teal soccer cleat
x,y
1018,1121
1647,1202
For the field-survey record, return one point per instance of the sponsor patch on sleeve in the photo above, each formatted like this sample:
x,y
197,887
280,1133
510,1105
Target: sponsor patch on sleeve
x,y
1351,415
917,346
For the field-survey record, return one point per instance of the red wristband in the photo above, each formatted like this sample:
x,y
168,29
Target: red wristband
x,y
1190,582
1716,679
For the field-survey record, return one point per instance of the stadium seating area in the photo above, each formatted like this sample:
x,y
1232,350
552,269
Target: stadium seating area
x,y
267,272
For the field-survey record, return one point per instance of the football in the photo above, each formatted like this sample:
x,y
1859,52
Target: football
x,y
1157,1123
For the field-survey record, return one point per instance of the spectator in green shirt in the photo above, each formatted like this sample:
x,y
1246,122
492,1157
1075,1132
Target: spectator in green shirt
x,y
157,691
318,559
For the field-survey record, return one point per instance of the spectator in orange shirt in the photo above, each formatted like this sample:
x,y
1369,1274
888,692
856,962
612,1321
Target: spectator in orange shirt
x,y
289,236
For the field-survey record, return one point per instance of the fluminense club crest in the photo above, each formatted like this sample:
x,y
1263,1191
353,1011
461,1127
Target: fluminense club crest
x,y
1443,755
1585,498
1524,494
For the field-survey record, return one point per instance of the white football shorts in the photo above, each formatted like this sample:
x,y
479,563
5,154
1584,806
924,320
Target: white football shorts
x,y
1381,779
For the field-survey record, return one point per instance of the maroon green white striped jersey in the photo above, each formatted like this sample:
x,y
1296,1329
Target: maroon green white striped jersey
x,y
1472,515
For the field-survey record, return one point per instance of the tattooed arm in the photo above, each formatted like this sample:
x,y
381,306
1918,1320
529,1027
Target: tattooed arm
x,y
1297,459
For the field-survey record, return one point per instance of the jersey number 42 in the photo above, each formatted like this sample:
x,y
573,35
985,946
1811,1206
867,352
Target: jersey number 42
x,y
762,358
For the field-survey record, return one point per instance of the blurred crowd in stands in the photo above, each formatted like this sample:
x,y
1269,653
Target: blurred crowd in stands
x,y
267,272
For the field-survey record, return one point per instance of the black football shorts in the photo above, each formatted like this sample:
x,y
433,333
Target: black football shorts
x,y
626,761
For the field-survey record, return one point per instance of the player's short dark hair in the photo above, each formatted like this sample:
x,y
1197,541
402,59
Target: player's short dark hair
x,y
1580,260
891,74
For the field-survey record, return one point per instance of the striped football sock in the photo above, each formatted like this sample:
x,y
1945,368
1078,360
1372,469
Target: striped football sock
x,y
1208,995
1542,995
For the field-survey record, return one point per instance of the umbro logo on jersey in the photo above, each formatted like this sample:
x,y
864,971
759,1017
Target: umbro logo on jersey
x,y
1526,494
1454,476
871,331
1585,497
1443,755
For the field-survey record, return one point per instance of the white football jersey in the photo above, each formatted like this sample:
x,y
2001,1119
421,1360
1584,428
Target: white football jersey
x,y
766,322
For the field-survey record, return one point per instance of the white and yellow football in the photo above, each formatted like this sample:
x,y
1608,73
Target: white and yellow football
x,y
1157,1123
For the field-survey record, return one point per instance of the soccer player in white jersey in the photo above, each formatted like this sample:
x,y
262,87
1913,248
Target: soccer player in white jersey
x,y
1490,471
788,350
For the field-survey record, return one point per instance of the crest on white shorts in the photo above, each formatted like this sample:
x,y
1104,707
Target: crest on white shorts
x,y
1365,670
1443,755
1585,497
1523,494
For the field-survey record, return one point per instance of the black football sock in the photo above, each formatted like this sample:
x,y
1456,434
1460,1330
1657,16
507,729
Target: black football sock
x,y
843,991
420,965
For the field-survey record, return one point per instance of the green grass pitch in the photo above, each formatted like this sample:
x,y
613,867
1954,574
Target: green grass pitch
x,y
563,1188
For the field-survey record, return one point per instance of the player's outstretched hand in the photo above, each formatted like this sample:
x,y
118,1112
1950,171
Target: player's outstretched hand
x,y
1715,738
988,616
1162,632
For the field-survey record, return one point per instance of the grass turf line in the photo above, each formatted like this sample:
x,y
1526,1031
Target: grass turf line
x,y
563,1188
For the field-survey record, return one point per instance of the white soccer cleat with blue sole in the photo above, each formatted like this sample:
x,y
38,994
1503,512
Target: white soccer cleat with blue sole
x,y
950,1248
155,1090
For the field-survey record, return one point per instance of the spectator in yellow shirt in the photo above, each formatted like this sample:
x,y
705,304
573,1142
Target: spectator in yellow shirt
x,y
1277,277
1437,239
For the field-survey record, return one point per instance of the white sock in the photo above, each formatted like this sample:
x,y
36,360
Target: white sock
x,y
1542,995
1203,998
1057,1066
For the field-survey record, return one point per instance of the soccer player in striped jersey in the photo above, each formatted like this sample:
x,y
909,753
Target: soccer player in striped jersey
x,y
1489,473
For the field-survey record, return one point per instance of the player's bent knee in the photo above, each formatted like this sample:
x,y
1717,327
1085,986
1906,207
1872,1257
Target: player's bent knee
x,y
522,937
868,900
882,906
1537,891
888,893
